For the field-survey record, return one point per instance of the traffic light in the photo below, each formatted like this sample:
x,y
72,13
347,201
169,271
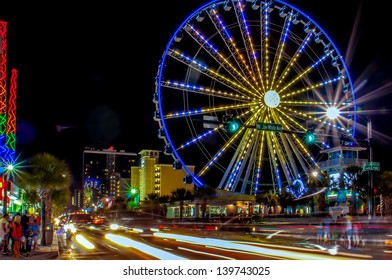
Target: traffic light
x,y
310,137
229,124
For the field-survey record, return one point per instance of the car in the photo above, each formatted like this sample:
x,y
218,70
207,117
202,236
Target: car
x,y
74,221
79,219
100,220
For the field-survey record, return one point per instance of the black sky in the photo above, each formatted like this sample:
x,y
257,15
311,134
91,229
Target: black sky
x,y
91,68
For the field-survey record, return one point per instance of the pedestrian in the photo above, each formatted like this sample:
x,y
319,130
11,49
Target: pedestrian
x,y
348,231
29,243
10,238
357,234
327,228
4,232
17,235
34,227
25,223
320,232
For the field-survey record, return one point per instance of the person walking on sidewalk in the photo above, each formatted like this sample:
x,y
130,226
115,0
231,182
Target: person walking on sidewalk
x,y
29,242
17,234
4,232
34,227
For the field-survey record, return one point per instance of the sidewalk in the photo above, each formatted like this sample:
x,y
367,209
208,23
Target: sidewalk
x,y
49,252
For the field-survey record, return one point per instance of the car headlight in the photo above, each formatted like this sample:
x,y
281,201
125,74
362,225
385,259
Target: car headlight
x,y
70,227
114,226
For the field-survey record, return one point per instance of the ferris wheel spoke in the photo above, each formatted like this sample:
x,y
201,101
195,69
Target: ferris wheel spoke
x,y
285,155
260,153
264,12
239,70
305,72
293,60
241,163
249,48
235,52
275,173
281,46
197,89
212,74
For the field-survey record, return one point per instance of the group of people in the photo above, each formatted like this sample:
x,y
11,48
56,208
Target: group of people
x,y
345,230
19,234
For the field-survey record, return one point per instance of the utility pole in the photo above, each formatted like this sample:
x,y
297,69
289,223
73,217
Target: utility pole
x,y
371,207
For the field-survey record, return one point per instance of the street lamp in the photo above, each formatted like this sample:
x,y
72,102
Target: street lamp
x,y
134,194
5,183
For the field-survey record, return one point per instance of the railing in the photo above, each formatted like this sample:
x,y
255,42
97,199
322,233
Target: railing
x,y
342,162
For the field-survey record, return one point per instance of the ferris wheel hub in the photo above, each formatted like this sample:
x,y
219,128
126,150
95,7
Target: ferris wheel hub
x,y
272,99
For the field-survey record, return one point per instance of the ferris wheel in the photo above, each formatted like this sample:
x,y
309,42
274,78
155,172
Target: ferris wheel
x,y
240,87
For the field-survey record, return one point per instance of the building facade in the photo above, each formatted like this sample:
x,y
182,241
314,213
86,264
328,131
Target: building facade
x,y
104,174
151,176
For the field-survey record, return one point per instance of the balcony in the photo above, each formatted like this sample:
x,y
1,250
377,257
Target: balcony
x,y
339,163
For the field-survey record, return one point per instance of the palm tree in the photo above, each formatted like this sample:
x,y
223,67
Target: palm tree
x,y
181,194
319,184
269,199
153,201
164,199
385,184
204,193
60,199
259,200
47,175
32,198
356,180
285,199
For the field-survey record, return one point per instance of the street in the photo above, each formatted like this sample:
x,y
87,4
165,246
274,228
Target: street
x,y
269,241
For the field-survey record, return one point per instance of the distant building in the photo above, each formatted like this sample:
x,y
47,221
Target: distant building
x,y
153,177
108,174
105,173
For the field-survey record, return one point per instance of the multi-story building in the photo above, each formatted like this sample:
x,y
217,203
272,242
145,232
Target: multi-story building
x,y
154,177
104,173
108,174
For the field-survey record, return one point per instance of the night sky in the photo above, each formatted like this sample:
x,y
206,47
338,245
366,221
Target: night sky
x,y
86,73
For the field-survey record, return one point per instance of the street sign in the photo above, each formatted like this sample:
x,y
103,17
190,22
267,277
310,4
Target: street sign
x,y
371,165
273,127
210,122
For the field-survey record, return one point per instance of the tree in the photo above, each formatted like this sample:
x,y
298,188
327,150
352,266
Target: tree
x,y
319,184
49,176
204,193
164,199
181,194
285,199
32,198
153,201
259,200
269,199
60,198
385,184
356,180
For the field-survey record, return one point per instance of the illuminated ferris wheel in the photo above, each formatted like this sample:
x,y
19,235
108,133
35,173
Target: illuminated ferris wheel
x,y
239,88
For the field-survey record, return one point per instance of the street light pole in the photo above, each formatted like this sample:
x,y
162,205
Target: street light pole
x,y
5,190
370,177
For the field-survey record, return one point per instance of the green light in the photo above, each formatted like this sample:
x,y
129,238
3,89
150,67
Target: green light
x,y
231,126
310,137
